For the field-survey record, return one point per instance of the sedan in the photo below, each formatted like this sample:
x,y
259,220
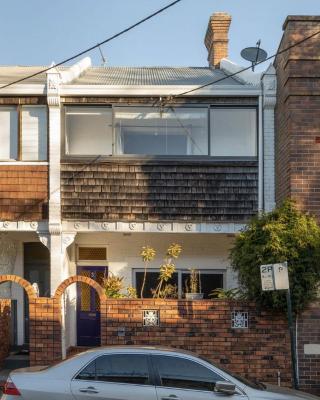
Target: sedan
x,y
137,373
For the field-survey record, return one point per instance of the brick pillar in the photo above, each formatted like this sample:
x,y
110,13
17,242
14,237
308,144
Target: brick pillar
x,y
45,331
297,144
216,39
5,311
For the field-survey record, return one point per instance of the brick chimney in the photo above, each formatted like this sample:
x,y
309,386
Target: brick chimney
x,y
216,39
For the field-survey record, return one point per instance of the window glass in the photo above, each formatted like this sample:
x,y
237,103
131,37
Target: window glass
x,y
34,133
233,132
152,280
185,374
88,373
208,282
8,133
179,131
88,131
123,368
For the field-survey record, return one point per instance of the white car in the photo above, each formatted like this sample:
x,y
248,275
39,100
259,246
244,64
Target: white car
x,y
137,373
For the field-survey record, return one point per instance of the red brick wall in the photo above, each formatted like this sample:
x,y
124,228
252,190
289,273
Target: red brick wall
x,y
23,192
205,328
45,331
259,351
5,308
309,364
298,115
201,326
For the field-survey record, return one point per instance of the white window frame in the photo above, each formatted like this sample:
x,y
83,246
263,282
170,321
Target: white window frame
x,y
16,109
19,160
20,133
116,150
64,129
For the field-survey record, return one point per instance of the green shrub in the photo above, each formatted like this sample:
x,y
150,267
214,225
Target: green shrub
x,y
284,234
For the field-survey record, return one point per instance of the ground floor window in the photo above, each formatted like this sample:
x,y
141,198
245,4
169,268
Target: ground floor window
x,y
209,280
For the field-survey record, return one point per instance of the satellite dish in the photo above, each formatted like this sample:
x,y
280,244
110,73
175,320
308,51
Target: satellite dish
x,y
254,54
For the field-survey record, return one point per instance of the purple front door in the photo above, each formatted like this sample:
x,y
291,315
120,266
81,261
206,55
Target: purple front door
x,y
88,307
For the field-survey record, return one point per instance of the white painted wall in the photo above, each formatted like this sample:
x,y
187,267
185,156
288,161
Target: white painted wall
x,y
206,251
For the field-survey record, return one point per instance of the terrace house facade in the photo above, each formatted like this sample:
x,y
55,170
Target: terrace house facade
x,y
96,162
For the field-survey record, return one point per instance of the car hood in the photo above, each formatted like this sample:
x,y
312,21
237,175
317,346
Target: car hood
x,y
285,393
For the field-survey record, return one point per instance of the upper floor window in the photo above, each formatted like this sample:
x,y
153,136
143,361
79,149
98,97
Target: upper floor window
x,y
170,131
88,131
23,133
180,131
233,132
8,133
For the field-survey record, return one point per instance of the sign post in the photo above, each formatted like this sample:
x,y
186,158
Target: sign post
x,y
276,277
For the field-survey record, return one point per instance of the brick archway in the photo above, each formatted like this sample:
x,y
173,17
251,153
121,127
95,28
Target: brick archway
x,y
83,279
22,282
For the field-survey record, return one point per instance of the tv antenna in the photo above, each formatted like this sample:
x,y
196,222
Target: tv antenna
x,y
254,54
103,59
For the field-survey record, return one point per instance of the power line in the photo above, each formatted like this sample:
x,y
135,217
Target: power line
x,y
170,98
95,46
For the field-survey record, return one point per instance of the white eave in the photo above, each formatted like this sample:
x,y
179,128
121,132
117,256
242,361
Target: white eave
x,y
24,89
158,90
130,91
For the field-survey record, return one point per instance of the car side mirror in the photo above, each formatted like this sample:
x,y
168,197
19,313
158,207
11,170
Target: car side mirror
x,y
225,387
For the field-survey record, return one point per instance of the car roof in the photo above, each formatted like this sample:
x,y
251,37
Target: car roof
x,y
135,348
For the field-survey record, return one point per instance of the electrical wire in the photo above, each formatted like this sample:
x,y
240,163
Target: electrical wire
x,y
170,98
81,53
166,104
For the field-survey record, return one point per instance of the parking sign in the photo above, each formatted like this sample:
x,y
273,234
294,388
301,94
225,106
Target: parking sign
x,y
267,281
274,276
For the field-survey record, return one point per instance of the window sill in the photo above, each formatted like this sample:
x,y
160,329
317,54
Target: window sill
x,y
154,159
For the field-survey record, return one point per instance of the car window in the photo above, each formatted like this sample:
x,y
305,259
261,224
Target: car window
x,y
88,373
120,368
186,374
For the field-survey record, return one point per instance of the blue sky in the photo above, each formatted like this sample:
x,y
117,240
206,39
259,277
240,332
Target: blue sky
x,y
37,32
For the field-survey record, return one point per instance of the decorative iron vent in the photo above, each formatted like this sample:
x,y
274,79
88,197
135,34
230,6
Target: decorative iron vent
x,y
151,317
239,320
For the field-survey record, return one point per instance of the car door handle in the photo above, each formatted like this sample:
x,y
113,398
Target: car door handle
x,y
170,397
89,389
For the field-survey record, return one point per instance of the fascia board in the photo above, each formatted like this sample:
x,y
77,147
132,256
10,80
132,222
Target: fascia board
x,y
25,89
103,90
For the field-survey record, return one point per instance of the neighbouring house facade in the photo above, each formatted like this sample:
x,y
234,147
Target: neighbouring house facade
x,y
297,155
97,162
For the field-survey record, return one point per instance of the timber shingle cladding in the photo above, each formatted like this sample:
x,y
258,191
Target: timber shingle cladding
x,y
162,191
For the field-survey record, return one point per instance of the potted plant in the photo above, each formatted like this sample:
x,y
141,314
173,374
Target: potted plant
x,y
193,285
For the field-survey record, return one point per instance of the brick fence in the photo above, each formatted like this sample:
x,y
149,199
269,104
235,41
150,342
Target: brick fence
x,y
308,346
259,351
5,308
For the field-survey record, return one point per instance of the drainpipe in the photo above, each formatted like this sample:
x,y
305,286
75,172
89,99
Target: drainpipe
x,y
260,156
